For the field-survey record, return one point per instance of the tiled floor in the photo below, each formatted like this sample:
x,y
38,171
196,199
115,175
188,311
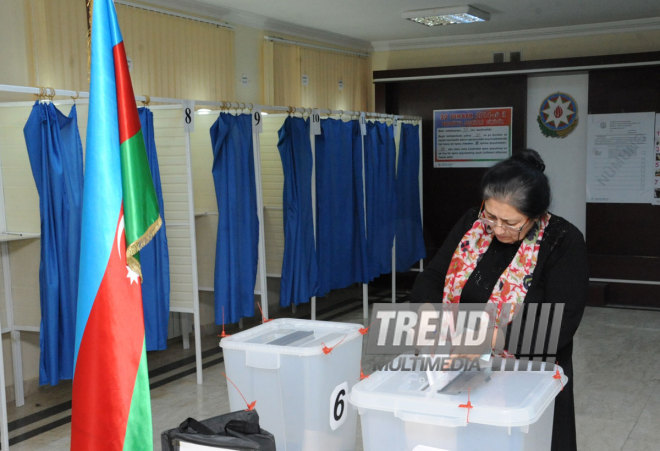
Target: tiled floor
x,y
617,380
617,385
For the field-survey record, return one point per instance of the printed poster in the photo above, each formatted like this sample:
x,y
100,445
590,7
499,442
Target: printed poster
x,y
471,138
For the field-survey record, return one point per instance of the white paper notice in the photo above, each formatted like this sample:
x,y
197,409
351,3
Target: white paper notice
x,y
620,156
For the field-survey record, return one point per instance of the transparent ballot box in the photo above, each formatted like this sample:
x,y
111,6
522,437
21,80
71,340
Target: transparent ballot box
x,y
300,373
459,410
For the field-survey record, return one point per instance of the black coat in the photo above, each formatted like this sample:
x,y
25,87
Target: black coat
x,y
560,276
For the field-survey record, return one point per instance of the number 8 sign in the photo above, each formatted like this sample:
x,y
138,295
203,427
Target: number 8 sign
x,y
338,405
189,116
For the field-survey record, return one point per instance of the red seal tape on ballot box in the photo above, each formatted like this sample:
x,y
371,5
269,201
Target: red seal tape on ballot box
x,y
300,372
475,409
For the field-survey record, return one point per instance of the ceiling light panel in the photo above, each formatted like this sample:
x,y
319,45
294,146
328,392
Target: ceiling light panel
x,y
446,16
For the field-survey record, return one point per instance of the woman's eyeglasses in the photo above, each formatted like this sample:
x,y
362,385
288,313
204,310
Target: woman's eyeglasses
x,y
490,224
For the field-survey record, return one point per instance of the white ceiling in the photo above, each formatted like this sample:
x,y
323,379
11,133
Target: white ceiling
x,y
377,24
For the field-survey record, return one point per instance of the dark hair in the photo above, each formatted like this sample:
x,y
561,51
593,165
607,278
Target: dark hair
x,y
520,182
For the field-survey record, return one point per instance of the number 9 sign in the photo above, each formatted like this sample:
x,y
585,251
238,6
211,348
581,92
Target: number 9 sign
x,y
338,405
257,124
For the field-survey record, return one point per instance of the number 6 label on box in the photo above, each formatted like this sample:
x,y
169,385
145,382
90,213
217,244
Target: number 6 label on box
x,y
338,405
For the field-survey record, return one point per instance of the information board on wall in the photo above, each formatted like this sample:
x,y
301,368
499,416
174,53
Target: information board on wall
x,y
620,157
476,137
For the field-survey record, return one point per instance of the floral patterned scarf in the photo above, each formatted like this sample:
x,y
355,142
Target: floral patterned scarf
x,y
514,282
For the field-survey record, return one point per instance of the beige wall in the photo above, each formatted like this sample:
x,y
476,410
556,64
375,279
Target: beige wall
x,y
603,44
286,64
248,47
56,40
44,44
13,51
34,58
177,58
171,56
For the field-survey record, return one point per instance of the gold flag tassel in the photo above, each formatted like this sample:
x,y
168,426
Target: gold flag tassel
x,y
90,6
138,244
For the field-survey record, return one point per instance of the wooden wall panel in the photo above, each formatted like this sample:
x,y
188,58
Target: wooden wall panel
x,y
448,193
622,239
272,184
21,196
171,145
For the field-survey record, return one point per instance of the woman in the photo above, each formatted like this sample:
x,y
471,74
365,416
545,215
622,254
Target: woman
x,y
513,251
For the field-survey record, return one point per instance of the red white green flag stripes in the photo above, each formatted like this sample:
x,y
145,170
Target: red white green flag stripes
x,y
111,403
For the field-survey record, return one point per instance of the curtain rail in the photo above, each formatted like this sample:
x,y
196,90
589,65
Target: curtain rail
x,y
315,46
220,104
534,71
174,14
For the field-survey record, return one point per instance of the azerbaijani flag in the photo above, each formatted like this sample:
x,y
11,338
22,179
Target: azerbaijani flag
x,y
111,404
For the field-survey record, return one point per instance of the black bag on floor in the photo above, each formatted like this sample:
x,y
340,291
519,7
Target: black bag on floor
x,y
236,430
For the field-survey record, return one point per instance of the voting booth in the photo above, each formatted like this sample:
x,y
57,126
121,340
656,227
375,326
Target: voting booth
x,y
299,373
468,410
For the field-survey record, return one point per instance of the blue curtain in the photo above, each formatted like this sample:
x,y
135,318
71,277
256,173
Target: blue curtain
x,y
55,153
379,170
341,242
154,257
238,225
409,235
299,279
